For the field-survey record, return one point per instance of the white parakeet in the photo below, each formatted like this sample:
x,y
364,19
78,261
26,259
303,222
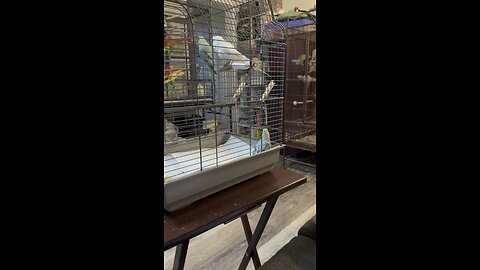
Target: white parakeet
x,y
205,51
171,131
264,143
235,60
226,51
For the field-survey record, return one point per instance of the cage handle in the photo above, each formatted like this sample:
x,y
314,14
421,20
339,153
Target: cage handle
x,y
295,103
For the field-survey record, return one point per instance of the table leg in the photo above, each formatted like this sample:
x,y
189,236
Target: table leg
x,y
248,235
258,232
180,255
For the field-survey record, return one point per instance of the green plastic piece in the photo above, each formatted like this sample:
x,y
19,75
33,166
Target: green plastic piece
x,y
292,15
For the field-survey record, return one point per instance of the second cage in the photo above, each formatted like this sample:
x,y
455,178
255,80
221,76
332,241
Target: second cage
x,y
300,85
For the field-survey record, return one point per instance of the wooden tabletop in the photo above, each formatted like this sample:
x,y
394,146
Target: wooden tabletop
x,y
226,205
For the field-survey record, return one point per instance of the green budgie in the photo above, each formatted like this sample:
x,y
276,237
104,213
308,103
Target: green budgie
x,y
299,60
205,52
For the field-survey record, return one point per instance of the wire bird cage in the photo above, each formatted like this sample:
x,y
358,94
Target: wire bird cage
x,y
224,63
300,82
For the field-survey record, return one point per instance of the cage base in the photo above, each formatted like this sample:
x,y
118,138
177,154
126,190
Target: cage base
x,y
184,192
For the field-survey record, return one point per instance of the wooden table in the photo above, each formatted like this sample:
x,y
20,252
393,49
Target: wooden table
x,y
225,206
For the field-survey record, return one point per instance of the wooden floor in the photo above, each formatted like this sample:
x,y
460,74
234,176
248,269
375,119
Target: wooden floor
x,y
223,247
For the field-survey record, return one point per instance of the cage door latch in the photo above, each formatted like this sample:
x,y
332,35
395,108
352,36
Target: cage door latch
x,y
295,103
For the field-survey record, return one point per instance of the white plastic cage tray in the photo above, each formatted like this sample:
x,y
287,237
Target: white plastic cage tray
x,y
185,183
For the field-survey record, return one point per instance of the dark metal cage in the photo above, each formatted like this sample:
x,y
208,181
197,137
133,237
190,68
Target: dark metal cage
x,y
300,84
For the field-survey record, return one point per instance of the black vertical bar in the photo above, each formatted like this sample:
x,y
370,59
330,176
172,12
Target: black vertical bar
x,y
305,73
248,235
231,119
180,256
191,63
285,84
258,232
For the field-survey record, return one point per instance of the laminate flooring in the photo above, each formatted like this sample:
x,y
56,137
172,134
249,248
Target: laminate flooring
x,y
222,247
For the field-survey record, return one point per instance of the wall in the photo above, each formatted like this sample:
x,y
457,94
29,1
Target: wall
x,y
288,5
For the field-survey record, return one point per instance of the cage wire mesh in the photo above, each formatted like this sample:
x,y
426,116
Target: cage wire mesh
x,y
224,63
